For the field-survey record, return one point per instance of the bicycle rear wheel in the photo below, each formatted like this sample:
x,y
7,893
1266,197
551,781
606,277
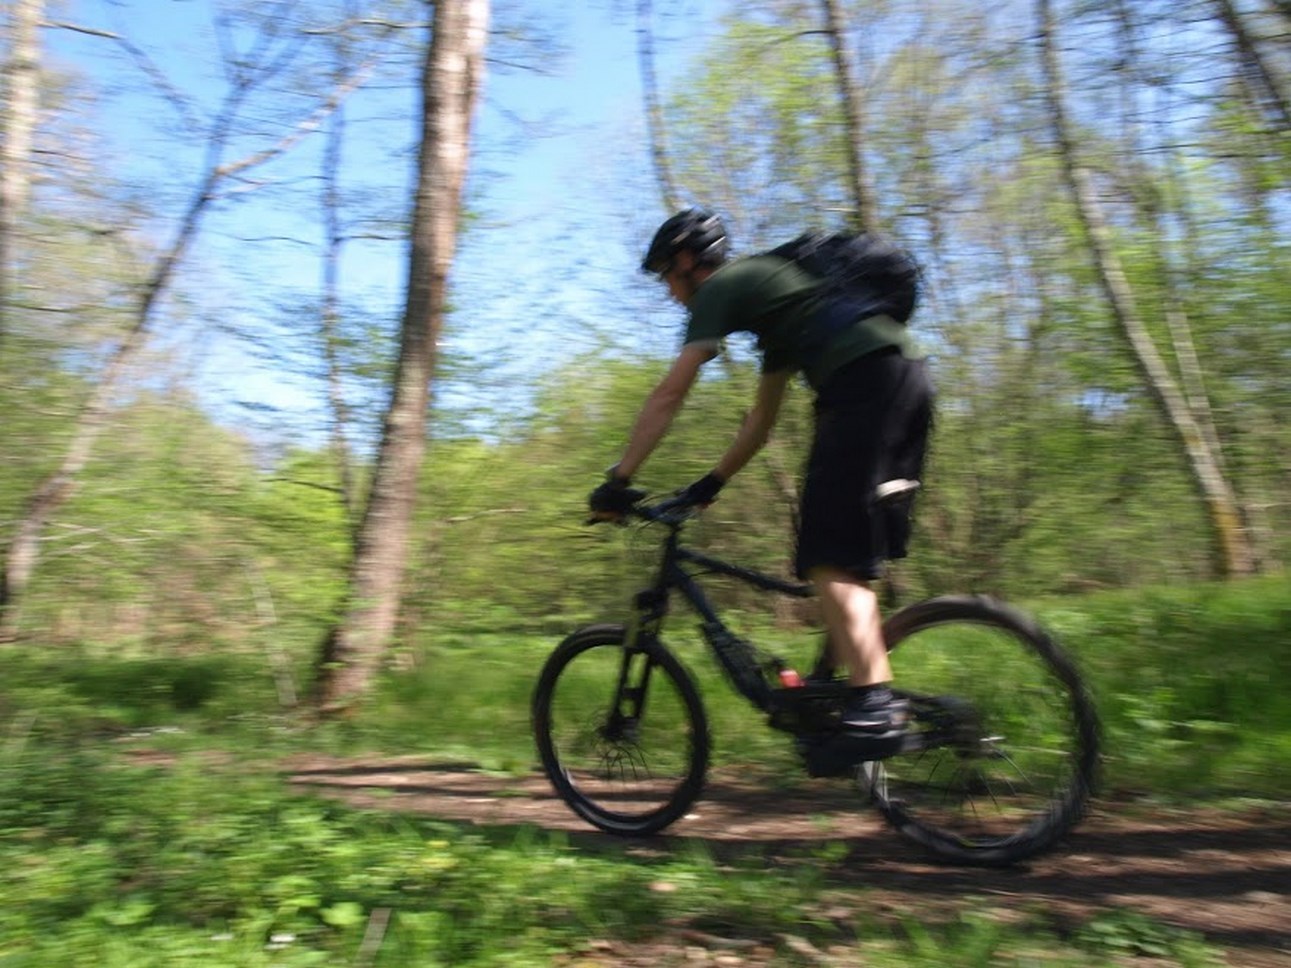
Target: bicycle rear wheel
x,y
1004,737
622,733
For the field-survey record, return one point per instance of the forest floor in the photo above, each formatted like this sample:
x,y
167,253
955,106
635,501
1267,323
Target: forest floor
x,y
1221,873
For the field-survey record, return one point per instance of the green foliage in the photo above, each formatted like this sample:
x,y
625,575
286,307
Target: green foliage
x,y
196,862
1052,470
1128,934
758,106
65,695
1188,684
138,827
35,394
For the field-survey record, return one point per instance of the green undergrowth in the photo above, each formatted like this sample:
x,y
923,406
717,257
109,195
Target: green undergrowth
x,y
144,819
210,860
1192,685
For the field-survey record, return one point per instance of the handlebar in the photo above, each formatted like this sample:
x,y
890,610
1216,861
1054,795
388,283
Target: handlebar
x,y
672,511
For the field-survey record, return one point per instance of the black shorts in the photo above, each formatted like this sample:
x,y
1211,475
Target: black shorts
x,y
872,422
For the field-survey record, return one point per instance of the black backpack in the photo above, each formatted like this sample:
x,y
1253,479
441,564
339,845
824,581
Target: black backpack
x,y
864,274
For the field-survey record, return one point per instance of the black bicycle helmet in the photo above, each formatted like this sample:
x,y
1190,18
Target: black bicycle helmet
x,y
693,230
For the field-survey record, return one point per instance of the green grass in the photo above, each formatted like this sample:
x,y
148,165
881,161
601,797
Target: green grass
x,y
143,821
200,863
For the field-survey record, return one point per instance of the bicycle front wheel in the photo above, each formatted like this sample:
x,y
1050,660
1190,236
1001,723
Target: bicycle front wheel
x,y
1004,737
621,732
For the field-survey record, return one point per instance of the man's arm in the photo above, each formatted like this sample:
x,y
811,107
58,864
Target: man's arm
x,y
757,425
662,405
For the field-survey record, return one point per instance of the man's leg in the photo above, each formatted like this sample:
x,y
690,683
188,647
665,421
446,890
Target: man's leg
x,y
851,613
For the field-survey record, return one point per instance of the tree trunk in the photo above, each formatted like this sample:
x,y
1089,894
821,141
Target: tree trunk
x,y
1235,555
654,112
1148,201
867,215
1263,75
353,649
20,103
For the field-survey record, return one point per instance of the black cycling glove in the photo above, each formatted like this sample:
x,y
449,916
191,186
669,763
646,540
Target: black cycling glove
x,y
704,490
615,496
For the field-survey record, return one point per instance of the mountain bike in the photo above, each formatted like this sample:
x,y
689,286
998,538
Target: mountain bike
x,y
998,762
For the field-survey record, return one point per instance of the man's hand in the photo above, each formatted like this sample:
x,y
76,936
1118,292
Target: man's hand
x,y
704,491
613,499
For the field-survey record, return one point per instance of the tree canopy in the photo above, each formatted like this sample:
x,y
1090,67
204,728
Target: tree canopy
x,y
1055,467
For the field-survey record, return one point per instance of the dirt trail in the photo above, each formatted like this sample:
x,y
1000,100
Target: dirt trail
x,y
1224,875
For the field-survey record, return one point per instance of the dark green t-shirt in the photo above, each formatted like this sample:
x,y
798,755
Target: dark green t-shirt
x,y
781,305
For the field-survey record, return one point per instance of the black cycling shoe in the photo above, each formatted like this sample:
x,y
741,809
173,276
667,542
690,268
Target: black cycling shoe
x,y
873,726
875,713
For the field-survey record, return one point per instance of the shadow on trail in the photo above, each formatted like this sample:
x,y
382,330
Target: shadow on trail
x,y
1221,874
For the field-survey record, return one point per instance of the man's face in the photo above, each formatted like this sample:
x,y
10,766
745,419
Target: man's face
x,y
679,276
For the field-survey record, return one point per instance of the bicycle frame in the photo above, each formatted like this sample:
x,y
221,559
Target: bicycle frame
x,y
601,762
734,654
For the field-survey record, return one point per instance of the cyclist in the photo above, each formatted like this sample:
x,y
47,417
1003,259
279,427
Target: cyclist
x,y
873,411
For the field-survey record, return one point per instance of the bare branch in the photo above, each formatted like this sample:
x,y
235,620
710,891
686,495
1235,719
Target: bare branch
x,y
514,65
1261,74
170,93
307,126
345,25
488,513
77,28
777,41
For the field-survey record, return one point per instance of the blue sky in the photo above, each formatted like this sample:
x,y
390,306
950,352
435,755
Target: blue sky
x,y
560,180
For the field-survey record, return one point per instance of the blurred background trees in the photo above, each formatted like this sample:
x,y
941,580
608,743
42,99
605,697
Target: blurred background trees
x,y
199,523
